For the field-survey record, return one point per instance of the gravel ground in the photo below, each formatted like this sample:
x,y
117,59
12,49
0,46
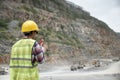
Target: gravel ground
x,y
52,72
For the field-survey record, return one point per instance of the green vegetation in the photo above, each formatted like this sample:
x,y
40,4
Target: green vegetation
x,y
2,35
68,40
58,2
63,38
70,11
66,10
3,23
103,25
29,9
99,23
74,14
48,53
36,2
3,28
6,35
46,33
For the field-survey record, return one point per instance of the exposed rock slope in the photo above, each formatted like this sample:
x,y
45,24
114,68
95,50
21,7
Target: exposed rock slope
x,y
69,31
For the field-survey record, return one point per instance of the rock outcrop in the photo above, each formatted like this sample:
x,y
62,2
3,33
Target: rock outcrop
x,y
70,32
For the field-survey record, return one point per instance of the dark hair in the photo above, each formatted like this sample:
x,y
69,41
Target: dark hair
x,y
29,33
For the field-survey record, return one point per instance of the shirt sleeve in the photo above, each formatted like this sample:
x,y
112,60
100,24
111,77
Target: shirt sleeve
x,y
37,53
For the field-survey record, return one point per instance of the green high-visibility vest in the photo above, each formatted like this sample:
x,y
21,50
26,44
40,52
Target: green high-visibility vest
x,y
21,67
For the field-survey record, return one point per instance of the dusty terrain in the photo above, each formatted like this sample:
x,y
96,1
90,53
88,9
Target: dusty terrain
x,y
54,72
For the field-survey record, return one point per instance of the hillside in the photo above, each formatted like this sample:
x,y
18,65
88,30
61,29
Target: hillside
x,y
69,31
118,35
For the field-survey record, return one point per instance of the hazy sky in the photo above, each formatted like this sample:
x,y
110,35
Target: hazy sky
x,y
105,10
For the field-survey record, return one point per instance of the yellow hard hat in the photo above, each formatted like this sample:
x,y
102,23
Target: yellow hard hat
x,y
29,25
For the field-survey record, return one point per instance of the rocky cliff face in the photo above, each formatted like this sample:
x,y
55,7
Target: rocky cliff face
x,y
118,34
69,31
